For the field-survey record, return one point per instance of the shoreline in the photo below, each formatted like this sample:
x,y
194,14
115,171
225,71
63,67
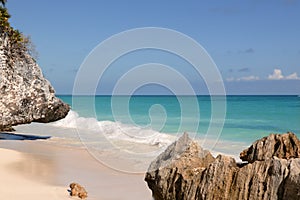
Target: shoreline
x,y
49,169
49,164
58,157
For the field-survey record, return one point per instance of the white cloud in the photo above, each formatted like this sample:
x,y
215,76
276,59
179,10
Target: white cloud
x,y
248,78
277,75
230,79
245,78
293,76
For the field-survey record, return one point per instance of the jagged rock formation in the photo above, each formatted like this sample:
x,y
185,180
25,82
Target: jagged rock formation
x,y
25,95
186,171
284,146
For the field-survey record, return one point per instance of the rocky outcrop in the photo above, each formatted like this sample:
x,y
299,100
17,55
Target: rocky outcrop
x,y
182,160
25,95
186,171
284,146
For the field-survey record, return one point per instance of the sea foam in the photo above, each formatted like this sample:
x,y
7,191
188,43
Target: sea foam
x,y
115,130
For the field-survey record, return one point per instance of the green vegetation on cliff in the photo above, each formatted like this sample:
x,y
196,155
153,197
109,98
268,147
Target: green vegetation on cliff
x,y
16,38
26,96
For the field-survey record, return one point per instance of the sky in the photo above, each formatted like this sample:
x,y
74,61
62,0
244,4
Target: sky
x,y
254,43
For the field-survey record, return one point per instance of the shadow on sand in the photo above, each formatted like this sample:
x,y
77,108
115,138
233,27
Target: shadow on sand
x,y
12,136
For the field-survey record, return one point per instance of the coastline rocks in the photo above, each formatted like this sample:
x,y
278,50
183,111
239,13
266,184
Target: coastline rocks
x,y
25,95
78,190
283,146
168,174
186,171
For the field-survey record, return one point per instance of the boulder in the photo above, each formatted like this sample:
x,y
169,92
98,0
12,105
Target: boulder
x,y
25,95
186,171
283,146
168,174
78,190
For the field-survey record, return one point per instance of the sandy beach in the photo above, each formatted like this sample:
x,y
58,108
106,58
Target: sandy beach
x,y
39,170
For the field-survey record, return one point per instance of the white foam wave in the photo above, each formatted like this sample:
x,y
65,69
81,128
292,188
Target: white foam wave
x,y
115,130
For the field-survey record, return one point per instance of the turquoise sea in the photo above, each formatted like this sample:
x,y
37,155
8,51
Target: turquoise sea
x,y
247,119
126,133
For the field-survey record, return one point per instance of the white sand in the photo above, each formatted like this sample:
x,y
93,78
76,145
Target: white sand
x,y
38,170
14,185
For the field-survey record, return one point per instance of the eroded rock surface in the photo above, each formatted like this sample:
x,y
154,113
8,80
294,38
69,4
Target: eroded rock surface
x,y
25,95
186,171
182,160
284,146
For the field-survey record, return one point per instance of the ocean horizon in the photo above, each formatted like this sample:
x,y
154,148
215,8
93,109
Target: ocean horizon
x,y
244,113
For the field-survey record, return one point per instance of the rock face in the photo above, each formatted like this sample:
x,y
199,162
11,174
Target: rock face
x,y
182,160
25,95
284,146
186,171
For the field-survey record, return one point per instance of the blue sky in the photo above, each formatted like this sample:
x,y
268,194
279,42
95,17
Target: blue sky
x,y
255,44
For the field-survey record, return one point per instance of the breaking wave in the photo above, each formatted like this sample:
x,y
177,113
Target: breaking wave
x,y
115,130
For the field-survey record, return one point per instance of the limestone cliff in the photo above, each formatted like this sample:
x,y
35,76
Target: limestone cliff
x,y
188,172
25,95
